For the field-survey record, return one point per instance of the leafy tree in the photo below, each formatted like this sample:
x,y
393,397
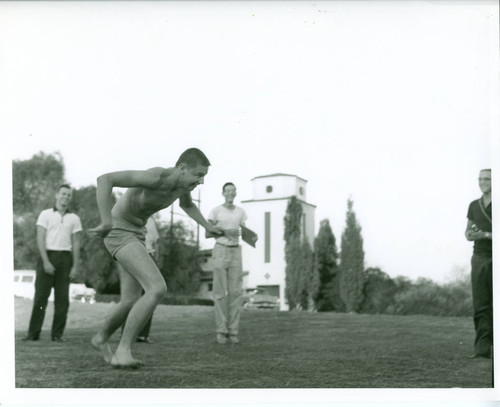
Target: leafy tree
x,y
25,249
402,283
326,256
294,284
179,263
351,262
378,292
34,185
426,297
35,182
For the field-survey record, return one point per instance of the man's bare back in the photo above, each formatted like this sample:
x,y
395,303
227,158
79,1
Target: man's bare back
x,y
137,204
148,192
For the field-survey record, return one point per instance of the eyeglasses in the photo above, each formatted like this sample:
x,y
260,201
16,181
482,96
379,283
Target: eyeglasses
x,y
484,179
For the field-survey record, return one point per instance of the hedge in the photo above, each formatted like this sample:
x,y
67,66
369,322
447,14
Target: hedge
x,y
167,300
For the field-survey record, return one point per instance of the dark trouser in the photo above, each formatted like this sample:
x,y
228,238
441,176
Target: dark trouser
x,y
482,297
62,262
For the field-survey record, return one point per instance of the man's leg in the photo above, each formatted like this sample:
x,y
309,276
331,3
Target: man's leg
x,y
43,285
220,292
235,281
144,334
62,262
140,267
482,297
130,292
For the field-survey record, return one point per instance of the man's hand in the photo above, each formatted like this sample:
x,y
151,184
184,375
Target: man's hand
x,y
100,231
476,234
213,231
48,267
73,273
232,233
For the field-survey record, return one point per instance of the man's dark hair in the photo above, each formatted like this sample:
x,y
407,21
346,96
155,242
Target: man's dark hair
x,y
63,186
193,157
486,169
226,184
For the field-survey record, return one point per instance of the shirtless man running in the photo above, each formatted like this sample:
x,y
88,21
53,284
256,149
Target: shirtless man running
x,y
123,229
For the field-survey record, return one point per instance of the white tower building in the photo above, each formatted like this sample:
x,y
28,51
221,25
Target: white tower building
x,y
265,264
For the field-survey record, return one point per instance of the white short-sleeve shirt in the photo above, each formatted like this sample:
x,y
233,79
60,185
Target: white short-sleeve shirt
x,y
59,228
226,219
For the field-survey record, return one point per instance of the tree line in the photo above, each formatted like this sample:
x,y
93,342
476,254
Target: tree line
x,y
318,278
322,279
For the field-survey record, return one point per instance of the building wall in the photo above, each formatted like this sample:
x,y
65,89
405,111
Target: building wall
x,y
261,271
271,195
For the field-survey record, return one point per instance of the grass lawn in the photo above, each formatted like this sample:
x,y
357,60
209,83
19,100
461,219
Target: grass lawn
x,y
277,350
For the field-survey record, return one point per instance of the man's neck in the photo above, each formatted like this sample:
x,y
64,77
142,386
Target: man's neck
x,y
229,205
486,198
61,209
173,177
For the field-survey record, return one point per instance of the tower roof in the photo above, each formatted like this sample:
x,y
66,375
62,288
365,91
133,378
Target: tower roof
x,y
279,174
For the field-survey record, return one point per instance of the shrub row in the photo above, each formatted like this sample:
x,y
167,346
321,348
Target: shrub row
x,y
167,300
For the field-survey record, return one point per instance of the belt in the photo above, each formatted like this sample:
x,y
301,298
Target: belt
x,y
228,245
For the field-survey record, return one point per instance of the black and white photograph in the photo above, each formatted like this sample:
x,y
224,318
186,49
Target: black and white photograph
x,y
249,203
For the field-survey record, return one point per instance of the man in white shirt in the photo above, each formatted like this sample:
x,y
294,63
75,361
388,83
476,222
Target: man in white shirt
x,y
58,241
228,274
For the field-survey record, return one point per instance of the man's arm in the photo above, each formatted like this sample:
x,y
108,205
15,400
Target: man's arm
x,y
187,205
210,234
41,234
473,233
75,245
123,179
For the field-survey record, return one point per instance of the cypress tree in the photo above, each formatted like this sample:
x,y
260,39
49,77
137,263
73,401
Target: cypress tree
x,y
293,283
325,263
352,258
310,277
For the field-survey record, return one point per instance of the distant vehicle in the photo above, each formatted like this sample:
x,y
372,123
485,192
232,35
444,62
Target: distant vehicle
x,y
24,286
80,292
259,298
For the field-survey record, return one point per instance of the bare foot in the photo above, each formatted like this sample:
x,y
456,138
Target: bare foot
x,y
103,347
125,362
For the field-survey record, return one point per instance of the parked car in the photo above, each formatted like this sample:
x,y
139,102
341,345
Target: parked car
x,y
259,298
80,292
24,286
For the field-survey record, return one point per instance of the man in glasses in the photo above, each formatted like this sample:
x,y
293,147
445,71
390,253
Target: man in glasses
x,y
479,231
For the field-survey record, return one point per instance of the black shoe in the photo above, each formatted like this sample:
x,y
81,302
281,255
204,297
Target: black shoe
x,y
144,339
58,339
30,338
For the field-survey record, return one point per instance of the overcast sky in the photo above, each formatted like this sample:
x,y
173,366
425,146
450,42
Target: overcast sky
x,y
390,103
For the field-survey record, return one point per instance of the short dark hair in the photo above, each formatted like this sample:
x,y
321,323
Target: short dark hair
x,y
226,184
63,186
193,157
486,169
